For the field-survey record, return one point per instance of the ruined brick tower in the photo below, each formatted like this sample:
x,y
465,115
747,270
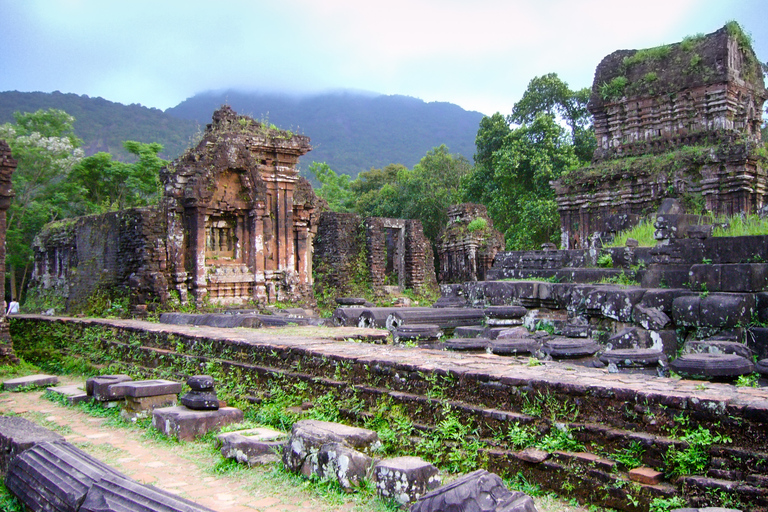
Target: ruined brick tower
x,y
240,221
680,120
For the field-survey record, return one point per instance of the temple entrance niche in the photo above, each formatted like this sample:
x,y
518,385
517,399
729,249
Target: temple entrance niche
x,y
395,251
230,278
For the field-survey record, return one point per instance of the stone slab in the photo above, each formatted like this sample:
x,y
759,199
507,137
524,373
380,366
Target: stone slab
x,y
253,446
100,388
18,435
30,381
186,424
73,394
144,388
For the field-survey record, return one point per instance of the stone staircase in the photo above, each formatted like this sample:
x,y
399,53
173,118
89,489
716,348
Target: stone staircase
x,y
492,395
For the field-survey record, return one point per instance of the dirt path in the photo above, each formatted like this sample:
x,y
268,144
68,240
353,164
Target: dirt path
x,y
187,469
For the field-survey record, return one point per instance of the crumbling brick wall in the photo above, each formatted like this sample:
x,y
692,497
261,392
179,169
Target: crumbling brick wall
x,y
118,252
7,167
466,255
679,121
352,254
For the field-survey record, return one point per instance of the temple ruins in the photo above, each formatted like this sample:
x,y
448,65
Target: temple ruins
x,y
681,120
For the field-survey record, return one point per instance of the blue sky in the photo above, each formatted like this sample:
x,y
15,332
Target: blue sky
x,y
479,54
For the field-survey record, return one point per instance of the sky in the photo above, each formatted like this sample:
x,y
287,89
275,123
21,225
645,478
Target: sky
x,y
478,54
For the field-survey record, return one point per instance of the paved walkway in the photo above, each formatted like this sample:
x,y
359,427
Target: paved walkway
x,y
184,469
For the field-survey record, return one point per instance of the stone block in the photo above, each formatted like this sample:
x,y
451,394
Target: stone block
x,y
634,357
346,316
124,495
73,394
569,347
17,435
144,388
186,424
646,476
405,479
533,455
629,338
650,318
341,462
477,491
757,341
100,388
253,446
142,407
30,381
467,344
55,476
308,436
715,310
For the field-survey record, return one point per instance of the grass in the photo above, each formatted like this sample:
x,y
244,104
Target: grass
x,y
740,225
643,233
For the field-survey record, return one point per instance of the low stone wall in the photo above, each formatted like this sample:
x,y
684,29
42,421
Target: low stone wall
x,y
492,394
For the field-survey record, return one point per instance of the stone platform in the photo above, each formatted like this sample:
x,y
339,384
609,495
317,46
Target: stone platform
x,y
489,392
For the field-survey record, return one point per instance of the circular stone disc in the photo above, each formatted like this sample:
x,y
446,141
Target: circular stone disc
x,y
570,347
467,344
711,365
633,357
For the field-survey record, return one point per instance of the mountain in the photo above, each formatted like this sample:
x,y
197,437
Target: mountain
x,y
104,125
351,131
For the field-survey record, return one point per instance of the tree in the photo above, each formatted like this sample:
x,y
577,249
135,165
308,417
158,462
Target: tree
x,y
334,188
512,180
550,95
104,184
424,192
44,145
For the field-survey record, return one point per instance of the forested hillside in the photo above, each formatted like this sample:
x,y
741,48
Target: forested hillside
x,y
352,132
104,125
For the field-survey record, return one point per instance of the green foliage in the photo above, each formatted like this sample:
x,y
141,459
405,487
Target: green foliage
x,y
550,95
478,224
621,279
105,185
521,436
689,42
649,54
740,225
334,187
46,149
513,181
630,456
559,439
452,443
748,381
605,260
642,232
9,502
666,504
694,459
614,89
